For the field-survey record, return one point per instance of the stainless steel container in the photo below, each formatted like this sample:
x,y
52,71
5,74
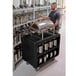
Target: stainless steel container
x,y
42,25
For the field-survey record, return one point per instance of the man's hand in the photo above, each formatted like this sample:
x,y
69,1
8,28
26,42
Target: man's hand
x,y
39,15
43,17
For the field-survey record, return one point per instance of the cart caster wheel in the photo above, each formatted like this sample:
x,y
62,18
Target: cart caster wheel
x,y
38,68
27,63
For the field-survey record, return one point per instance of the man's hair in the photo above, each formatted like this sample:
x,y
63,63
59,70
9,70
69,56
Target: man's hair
x,y
54,3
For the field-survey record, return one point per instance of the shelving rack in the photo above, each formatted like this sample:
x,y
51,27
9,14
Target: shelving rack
x,y
19,12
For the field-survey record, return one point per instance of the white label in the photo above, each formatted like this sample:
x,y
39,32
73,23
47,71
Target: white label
x,y
47,56
55,42
40,49
50,44
45,59
46,46
40,60
51,54
55,52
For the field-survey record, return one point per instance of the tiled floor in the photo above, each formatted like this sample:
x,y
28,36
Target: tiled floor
x,y
55,68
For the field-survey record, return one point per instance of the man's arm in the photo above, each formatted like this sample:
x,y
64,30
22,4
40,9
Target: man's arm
x,y
44,17
57,22
57,17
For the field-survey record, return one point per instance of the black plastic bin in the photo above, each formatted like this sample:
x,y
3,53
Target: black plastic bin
x,y
31,44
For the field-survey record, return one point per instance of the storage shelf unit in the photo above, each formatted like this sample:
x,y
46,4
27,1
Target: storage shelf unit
x,y
17,44
22,9
30,11
15,26
36,56
18,60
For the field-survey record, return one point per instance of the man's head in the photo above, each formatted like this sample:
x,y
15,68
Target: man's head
x,y
53,5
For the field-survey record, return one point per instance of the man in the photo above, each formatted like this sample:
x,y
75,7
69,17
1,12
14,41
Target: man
x,y
54,16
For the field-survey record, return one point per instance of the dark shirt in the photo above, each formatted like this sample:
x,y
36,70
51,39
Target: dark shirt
x,y
54,15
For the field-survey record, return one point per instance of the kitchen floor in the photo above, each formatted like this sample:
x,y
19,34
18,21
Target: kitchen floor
x,y
55,68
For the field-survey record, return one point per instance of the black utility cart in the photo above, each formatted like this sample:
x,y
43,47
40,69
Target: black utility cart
x,y
38,48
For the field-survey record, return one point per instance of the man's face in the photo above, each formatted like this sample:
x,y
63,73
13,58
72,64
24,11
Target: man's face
x,y
53,6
